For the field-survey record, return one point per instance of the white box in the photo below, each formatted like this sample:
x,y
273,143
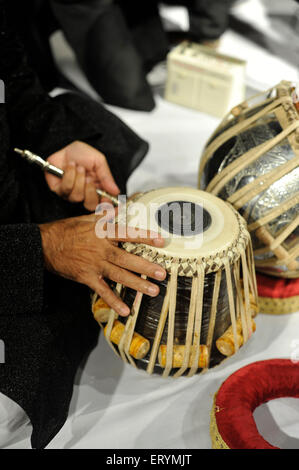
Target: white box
x,y
199,77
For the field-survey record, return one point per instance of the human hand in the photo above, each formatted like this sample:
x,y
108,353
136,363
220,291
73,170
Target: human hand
x,y
85,169
72,250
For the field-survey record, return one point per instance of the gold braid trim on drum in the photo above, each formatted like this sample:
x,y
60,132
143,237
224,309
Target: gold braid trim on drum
x,y
214,265
276,246
278,306
188,266
232,418
217,441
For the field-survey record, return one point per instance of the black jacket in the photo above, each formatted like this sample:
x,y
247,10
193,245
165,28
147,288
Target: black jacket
x,y
45,321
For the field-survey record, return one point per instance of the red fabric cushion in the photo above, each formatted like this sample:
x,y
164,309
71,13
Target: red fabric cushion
x,y
276,287
244,391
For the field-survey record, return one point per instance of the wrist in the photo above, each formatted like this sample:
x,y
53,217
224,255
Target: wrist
x,y
48,246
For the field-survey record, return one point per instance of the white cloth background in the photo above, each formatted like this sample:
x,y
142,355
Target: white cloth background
x,y
115,406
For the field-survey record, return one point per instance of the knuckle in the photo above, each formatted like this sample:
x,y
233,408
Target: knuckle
x,y
105,251
100,289
55,189
108,272
89,206
66,188
65,195
122,257
114,303
111,254
146,267
67,183
117,276
76,197
146,285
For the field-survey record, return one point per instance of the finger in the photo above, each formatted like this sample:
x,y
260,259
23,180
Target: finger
x,y
120,257
68,180
54,182
91,199
106,199
102,289
57,159
128,279
135,235
105,177
78,190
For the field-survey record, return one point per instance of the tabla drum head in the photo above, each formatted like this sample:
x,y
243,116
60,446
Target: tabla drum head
x,y
193,223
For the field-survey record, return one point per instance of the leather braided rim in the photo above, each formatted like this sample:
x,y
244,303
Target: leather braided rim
x,y
232,423
188,266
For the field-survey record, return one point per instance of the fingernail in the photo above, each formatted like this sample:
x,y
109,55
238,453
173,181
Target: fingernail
x,y
81,169
153,290
72,163
88,179
158,241
125,310
160,274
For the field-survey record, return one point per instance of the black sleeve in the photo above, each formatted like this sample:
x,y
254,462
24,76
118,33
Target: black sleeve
x,y
23,93
21,288
36,121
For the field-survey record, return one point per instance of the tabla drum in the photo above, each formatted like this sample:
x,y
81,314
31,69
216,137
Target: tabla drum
x,y
204,311
251,161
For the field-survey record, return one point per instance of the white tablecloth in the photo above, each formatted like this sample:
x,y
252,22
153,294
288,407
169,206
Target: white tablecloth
x,y
115,406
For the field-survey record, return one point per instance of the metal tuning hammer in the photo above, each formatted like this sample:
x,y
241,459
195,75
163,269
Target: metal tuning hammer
x,y
43,164
54,170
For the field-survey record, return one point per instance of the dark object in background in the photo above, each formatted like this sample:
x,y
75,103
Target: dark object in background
x,y
146,28
102,42
35,24
116,42
208,18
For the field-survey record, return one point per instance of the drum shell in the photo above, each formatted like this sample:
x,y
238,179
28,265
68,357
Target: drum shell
x,y
150,308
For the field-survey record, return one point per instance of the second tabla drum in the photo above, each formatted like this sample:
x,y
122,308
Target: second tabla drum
x,y
252,161
204,311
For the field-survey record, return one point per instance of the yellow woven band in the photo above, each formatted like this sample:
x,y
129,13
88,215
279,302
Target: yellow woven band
x,y
217,441
277,306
